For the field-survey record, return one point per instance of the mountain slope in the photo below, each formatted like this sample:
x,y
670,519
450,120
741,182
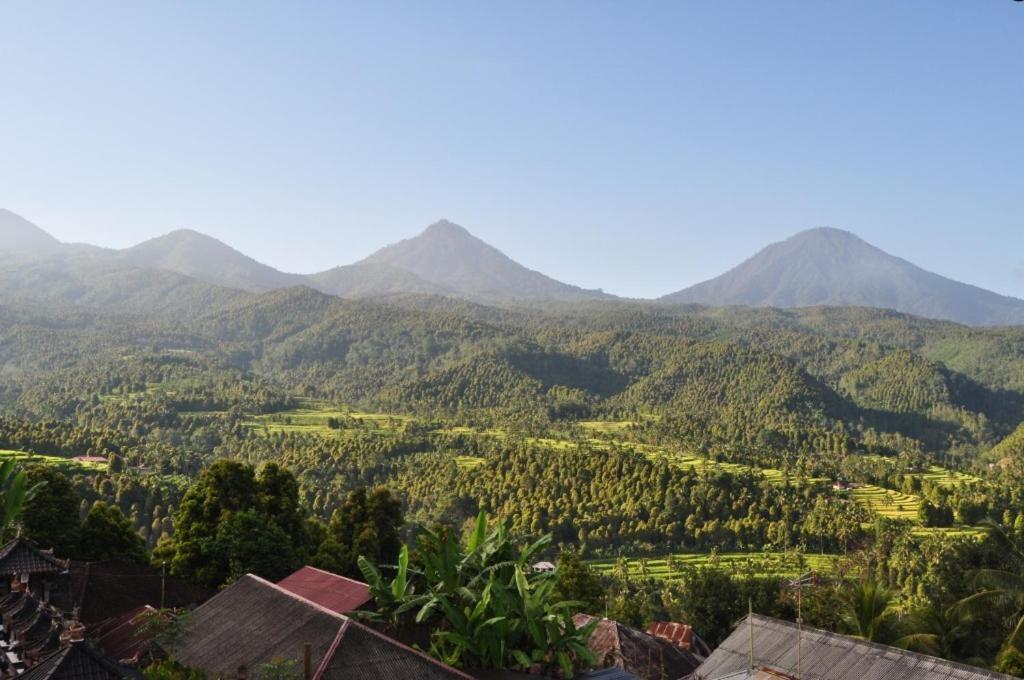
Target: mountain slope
x,y
371,280
834,267
205,258
20,237
449,256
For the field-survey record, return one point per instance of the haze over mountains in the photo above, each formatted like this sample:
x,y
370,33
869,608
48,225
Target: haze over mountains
x,y
815,267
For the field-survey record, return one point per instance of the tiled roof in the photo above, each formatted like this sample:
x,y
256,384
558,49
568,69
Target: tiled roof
x,y
79,661
112,588
648,657
19,556
253,622
679,634
129,637
337,593
824,656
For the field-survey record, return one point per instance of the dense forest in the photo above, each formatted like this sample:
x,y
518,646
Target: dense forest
x,y
628,432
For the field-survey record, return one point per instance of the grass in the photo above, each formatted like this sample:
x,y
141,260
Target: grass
x,y
771,564
63,464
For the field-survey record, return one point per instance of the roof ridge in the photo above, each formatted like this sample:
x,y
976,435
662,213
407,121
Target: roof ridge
x,y
332,650
324,571
292,595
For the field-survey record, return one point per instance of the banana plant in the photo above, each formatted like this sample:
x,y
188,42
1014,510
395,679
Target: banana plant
x,y
14,494
395,598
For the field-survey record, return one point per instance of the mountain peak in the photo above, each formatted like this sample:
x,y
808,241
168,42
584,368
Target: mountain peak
x,y
827,266
448,255
445,228
21,237
204,257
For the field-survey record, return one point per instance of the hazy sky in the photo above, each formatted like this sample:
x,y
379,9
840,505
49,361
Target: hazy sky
x,y
639,146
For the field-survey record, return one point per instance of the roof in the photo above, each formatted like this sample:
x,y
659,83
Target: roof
x,y
79,661
254,621
112,588
607,674
646,656
825,656
337,593
20,556
679,634
129,637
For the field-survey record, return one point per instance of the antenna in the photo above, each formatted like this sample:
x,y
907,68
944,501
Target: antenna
x,y
808,579
750,627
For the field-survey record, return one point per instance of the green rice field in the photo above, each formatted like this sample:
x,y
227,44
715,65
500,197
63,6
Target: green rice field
x,y
64,464
759,564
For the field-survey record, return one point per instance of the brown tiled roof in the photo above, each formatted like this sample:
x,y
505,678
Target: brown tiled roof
x,y
79,661
253,622
129,637
681,635
19,556
112,588
337,593
648,657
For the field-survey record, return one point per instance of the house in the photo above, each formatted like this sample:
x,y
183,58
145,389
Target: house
x,y
255,622
646,656
79,661
681,635
24,566
112,588
31,630
782,650
544,567
332,591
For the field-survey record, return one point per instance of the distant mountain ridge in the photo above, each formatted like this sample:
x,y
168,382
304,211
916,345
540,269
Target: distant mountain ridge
x,y
817,267
833,267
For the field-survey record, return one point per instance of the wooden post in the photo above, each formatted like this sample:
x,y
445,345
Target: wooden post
x,y
307,661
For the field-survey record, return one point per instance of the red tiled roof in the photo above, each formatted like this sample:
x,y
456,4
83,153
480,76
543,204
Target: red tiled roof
x,y
679,634
331,591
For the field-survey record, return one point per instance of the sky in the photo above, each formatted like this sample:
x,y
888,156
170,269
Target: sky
x,y
636,146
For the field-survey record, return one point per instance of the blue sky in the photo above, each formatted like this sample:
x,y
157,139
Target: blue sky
x,y
638,146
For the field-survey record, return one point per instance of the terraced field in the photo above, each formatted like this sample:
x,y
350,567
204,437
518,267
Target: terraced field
x,y
885,502
759,564
312,417
63,464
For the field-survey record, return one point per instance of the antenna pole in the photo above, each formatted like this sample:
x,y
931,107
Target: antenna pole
x,y
750,627
799,632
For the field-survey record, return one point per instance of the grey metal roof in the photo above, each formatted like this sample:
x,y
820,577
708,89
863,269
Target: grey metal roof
x,y
826,656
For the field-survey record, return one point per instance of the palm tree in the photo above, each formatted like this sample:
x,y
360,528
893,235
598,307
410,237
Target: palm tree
x,y
14,493
869,611
1002,589
939,631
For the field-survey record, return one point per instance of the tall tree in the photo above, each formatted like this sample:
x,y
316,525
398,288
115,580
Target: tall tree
x,y
50,519
106,534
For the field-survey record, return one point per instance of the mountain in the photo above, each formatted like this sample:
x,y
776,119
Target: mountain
x,y
447,255
20,237
372,280
833,267
205,258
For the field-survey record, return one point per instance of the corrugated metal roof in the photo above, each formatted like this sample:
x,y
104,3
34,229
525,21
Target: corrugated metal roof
x,y
826,656
337,593
253,622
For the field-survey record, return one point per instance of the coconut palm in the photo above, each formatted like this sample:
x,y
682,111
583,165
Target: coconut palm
x,y
1002,589
869,612
939,631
